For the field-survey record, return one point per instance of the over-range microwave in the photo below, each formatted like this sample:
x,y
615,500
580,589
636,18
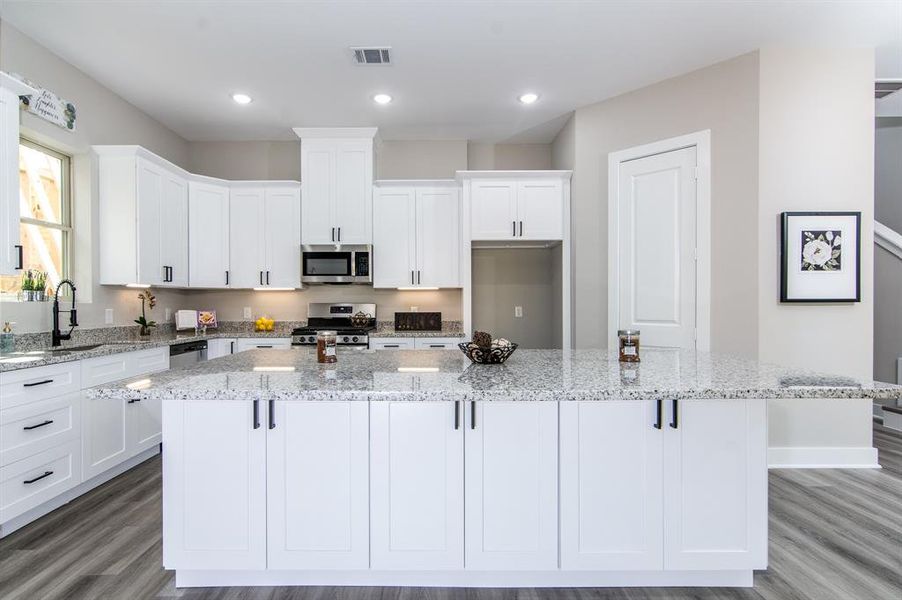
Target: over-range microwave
x,y
336,264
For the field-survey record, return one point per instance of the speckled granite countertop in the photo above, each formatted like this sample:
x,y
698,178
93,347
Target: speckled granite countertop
x,y
450,329
448,375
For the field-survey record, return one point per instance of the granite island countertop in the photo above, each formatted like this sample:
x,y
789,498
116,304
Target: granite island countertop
x,y
447,375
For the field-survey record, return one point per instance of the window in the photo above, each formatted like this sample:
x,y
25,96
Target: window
x,y
45,216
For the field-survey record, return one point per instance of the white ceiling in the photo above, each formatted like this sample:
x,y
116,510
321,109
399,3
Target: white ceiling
x,y
459,65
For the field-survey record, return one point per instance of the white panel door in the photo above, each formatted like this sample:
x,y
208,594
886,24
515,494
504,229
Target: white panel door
x,y
416,486
657,248
208,230
246,240
317,457
511,485
174,229
214,492
9,183
611,486
318,177
145,424
394,238
104,434
715,483
283,237
438,237
540,209
353,207
150,198
493,210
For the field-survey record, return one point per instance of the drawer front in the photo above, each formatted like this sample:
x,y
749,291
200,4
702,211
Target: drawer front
x,y
436,343
275,343
34,480
32,428
148,361
30,385
103,369
391,343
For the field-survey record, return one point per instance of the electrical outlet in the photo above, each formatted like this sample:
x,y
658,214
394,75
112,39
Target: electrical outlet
x,y
108,316
247,312
518,311
414,309
167,313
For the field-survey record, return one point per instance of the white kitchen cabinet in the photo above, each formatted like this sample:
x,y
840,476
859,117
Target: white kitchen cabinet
x,y
242,344
219,347
30,482
174,230
31,428
611,510
517,208
715,482
394,343
394,237
105,431
493,209
214,493
317,455
540,209
208,225
511,485
436,343
337,176
247,250
416,486
10,248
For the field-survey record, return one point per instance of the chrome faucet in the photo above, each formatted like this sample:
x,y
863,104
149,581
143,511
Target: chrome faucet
x,y
56,335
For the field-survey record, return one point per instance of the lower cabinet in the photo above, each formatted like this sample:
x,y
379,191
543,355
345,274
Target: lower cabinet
x,y
243,344
218,347
420,343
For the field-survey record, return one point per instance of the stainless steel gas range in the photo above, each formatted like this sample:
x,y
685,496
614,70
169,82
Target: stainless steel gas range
x,y
352,322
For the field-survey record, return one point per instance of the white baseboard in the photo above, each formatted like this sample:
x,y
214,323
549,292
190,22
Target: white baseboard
x,y
71,494
822,458
505,579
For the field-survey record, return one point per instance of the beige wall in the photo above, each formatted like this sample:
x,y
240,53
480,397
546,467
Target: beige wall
x,y
815,154
425,159
246,160
485,157
722,98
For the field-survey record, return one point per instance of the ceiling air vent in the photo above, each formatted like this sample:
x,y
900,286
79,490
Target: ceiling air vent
x,y
372,56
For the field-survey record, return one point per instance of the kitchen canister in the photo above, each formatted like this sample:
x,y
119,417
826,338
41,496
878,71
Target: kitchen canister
x,y
629,345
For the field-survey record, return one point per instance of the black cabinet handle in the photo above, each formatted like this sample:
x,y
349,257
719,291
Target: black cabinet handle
x,y
436,345
231,347
37,383
171,274
659,411
339,234
261,277
514,228
267,278
259,346
39,477
333,234
20,249
521,228
132,401
256,414
472,415
418,277
676,415
227,277
457,414
30,427
391,346
272,414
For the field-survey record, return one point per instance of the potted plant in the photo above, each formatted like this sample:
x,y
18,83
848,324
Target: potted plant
x,y
150,301
40,285
28,286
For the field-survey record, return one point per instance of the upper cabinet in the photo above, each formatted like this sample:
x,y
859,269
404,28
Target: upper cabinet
x,y
337,173
208,232
416,235
516,205
10,249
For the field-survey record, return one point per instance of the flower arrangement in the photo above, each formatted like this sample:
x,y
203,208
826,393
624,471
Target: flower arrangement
x,y
148,300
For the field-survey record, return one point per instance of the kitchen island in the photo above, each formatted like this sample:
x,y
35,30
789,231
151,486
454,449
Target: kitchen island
x,y
559,468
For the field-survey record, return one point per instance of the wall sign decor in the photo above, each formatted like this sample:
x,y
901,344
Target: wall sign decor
x,y
51,107
820,257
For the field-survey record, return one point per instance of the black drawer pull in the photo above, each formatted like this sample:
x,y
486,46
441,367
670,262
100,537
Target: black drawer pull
x,y
659,410
30,427
133,400
436,345
272,414
457,414
256,414
472,415
270,346
37,383
39,477
676,415
20,249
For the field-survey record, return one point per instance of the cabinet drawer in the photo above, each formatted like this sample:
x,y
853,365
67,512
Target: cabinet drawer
x,y
32,428
436,343
30,385
252,344
104,369
34,480
148,361
391,344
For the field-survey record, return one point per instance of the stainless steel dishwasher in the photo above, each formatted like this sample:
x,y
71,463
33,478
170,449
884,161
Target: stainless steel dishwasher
x,y
187,353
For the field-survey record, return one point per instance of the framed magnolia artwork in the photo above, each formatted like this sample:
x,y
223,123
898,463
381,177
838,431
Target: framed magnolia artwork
x,y
820,257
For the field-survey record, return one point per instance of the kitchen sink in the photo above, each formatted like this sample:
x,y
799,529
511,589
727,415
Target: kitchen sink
x,y
76,348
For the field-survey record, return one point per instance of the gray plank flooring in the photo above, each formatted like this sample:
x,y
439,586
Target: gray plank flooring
x,y
834,535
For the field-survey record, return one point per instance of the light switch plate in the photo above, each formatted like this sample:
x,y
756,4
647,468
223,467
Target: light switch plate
x,y
168,313
247,312
108,316
518,311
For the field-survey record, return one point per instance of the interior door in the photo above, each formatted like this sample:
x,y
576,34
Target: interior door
x,y
394,248
657,238
283,237
246,246
438,237
174,229
540,209
150,198
318,174
208,222
353,193
493,209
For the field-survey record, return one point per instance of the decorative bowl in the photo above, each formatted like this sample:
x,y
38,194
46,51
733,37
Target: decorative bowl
x,y
493,356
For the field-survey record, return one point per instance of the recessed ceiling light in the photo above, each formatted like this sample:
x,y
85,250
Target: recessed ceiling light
x,y
242,98
529,98
382,98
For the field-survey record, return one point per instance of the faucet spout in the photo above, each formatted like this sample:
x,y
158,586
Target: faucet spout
x,y
57,336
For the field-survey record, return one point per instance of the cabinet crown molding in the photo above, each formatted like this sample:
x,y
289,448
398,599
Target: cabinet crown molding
x,y
334,133
562,174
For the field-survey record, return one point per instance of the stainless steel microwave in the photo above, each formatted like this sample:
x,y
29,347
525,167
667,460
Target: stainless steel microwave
x,y
342,264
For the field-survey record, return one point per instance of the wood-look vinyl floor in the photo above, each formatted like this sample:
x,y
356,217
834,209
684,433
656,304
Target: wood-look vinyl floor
x,y
834,535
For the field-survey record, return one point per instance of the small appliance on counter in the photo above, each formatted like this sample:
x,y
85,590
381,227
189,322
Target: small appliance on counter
x,y
418,321
352,324
185,319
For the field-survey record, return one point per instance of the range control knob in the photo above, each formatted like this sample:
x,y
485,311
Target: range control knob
x,y
354,339
345,339
311,339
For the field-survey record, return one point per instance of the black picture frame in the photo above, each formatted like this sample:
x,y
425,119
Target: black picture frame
x,y
784,256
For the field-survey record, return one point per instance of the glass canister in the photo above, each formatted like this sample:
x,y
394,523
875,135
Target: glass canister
x,y
326,345
629,345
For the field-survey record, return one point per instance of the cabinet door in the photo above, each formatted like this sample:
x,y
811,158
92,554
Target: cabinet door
x,y
540,209
511,486
715,485
394,247
214,493
150,246
317,460
438,238
220,347
493,210
611,486
174,229
283,237
9,183
416,486
318,180
246,246
144,420
353,207
208,226
104,434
